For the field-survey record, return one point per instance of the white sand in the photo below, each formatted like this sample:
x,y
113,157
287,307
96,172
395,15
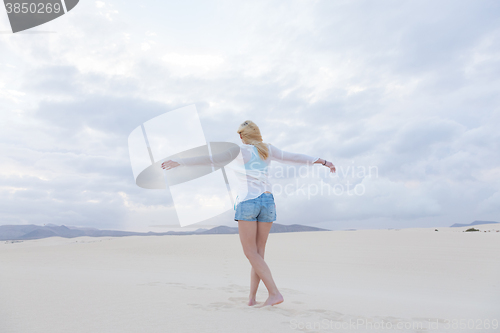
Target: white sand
x,y
200,283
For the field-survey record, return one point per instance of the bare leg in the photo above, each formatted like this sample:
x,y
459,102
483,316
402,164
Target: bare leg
x,y
263,229
254,285
248,237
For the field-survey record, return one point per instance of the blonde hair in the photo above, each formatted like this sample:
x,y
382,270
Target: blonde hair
x,y
251,133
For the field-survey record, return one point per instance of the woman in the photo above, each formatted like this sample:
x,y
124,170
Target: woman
x,y
255,209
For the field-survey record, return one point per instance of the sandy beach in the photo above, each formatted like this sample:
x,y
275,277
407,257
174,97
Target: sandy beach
x,y
332,281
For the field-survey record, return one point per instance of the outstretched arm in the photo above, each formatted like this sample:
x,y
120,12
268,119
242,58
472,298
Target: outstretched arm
x,y
287,157
220,159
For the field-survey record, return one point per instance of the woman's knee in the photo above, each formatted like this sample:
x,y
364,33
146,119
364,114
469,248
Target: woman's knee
x,y
261,250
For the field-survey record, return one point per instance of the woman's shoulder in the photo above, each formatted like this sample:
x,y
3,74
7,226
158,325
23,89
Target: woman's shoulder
x,y
271,146
244,146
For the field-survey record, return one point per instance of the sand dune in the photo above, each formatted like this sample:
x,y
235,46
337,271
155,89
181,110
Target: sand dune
x,y
330,280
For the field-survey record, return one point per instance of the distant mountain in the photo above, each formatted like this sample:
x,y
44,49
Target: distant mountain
x,y
471,224
275,228
293,228
222,229
31,231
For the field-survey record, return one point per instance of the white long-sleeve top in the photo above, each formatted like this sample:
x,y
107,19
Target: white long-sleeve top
x,y
257,170
253,176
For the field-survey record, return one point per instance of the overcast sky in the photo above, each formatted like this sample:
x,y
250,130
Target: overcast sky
x,y
411,87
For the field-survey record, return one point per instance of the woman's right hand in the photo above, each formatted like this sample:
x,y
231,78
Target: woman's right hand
x,y
169,164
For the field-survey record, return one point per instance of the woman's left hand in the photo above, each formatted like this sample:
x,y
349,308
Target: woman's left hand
x,y
331,166
169,164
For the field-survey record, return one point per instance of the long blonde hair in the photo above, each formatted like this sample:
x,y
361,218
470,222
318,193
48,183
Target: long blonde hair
x,y
251,133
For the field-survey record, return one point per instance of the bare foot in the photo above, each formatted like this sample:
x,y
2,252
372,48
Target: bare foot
x,y
252,301
273,300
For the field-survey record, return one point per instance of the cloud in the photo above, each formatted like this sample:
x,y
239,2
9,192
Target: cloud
x,y
408,87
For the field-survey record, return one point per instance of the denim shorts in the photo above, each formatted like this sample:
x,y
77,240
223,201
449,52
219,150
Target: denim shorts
x,y
261,209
